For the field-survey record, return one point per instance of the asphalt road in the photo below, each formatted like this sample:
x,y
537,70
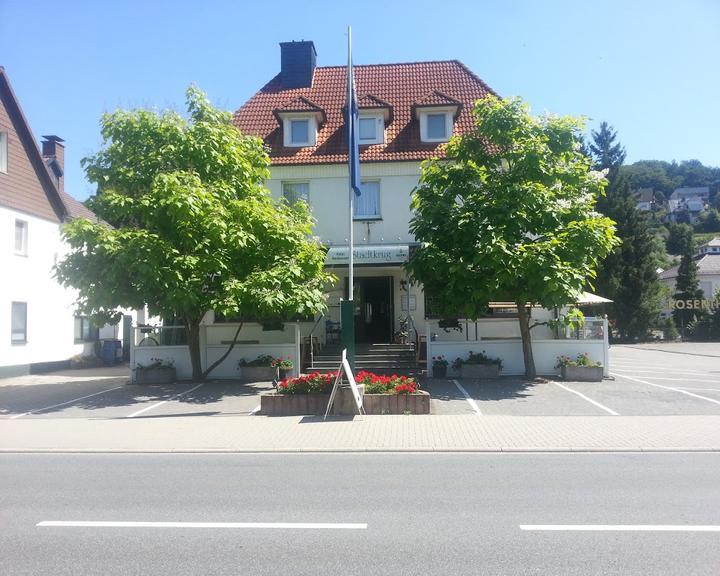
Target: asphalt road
x,y
382,514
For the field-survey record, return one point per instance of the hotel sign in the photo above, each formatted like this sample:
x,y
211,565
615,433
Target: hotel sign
x,y
379,254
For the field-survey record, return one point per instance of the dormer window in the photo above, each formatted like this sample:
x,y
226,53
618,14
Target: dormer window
x,y
300,120
371,129
436,113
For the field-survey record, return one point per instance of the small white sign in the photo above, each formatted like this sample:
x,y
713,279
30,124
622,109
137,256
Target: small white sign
x,y
345,367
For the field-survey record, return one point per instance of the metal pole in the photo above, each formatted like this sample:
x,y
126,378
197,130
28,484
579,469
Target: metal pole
x,y
351,192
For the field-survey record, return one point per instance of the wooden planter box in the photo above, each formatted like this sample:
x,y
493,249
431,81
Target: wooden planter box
x,y
479,371
439,371
258,373
273,404
397,403
155,375
582,373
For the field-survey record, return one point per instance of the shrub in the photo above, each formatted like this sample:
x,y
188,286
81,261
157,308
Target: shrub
x,y
282,363
476,358
582,359
314,383
377,384
439,361
262,360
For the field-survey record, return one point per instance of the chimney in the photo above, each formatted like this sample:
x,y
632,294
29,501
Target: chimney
x,y
297,64
53,151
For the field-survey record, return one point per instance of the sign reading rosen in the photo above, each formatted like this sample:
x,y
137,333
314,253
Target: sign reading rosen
x,y
696,304
379,254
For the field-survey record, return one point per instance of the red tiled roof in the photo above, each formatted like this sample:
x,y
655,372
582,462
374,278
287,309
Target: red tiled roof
x,y
436,98
299,104
401,86
370,101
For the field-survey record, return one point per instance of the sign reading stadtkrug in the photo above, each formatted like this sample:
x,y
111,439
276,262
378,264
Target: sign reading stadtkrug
x,y
378,254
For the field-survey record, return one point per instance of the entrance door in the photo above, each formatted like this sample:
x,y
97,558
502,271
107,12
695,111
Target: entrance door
x,y
373,301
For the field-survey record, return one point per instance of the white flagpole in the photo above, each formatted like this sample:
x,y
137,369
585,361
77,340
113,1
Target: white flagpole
x,y
351,79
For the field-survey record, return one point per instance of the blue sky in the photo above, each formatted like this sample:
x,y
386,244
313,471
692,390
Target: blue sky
x,y
650,68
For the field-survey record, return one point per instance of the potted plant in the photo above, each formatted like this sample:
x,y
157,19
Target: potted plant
x,y
159,371
478,365
284,367
439,366
259,370
580,369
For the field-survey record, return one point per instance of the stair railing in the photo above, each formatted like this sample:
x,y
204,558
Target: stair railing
x,y
411,324
310,336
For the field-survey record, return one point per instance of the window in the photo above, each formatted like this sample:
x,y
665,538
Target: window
x,y
3,152
299,132
18,323
295,191
85,331
21,229
371,130
437,126
367,205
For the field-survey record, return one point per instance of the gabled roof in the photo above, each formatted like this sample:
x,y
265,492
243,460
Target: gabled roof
x,y
699,191
437,98
709,264
49,202
399,85
644,195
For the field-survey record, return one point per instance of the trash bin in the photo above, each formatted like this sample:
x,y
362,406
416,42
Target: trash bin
x,y
109,353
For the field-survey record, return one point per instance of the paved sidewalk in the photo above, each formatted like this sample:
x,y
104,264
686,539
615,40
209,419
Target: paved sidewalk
x,y
366,433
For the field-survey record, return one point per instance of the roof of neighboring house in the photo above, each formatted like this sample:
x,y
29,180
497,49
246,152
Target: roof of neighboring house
x,y
402,87
644,195
707,264
714,242
699,191
47,202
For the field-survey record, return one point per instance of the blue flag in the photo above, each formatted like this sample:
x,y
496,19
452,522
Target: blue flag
x,y
352,122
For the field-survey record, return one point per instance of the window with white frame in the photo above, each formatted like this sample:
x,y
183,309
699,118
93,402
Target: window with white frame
x,y
299,131
436,125
85,331
296,191
18,323
367,205
21,237
3,152
371,129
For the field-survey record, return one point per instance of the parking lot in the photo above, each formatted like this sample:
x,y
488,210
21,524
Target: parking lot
x,y
676,379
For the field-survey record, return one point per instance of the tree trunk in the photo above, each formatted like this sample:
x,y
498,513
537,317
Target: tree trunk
x,y
524,320
193,336
225,355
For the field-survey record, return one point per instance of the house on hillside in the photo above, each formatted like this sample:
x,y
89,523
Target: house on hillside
x,y
39,329
645,198
685,204
707,259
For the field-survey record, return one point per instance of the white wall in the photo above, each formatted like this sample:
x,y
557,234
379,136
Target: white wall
x,y
50,309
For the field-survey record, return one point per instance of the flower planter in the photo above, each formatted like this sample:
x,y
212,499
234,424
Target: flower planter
x,y
155,375
258,373
418,403
439,371
582,373
284,373
479,371
274,404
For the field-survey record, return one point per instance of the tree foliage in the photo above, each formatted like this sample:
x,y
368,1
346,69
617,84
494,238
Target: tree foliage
x,y
687,287
510,216
628,276
192,227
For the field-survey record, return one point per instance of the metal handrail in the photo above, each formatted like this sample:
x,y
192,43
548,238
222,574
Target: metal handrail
x,y
310,336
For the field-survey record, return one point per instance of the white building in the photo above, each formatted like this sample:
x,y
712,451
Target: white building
x,y
38,326
708,264
688,201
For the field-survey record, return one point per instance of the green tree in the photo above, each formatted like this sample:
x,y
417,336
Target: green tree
x,y
680,236
509,217
192,226
687,287
628,276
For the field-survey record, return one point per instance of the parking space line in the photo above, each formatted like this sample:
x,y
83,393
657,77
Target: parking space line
x,y
472,402
667,388
593,402
255,410
658,370
265,525
63,403
677,379
620,527
148,408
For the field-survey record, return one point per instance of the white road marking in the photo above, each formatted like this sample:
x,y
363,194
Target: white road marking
x,y
593,402
675,379
620,527
668,388
63,403
147,408
472,402
256,409
658,371
700,389
264,525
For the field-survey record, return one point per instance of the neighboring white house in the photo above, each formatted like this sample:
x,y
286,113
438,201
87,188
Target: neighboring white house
x,y
690,201
708,263
39,329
